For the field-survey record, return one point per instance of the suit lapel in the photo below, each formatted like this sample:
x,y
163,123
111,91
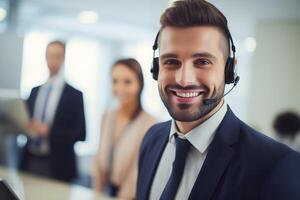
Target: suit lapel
x,y
219,155
154,157
211,172
60,104
31,101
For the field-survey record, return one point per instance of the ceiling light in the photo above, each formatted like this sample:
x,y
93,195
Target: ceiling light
x,y
250,44
88,17
3,14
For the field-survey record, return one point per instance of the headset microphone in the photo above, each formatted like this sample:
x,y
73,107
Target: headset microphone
x,y
214,100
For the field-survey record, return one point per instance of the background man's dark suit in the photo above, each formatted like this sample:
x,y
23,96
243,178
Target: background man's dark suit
x,y
241,164
68,127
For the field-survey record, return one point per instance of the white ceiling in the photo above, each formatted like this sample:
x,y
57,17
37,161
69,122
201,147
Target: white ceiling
x,y
140,18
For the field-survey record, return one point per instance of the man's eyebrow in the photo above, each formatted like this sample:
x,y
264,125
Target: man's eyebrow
x,y
168,55
204,54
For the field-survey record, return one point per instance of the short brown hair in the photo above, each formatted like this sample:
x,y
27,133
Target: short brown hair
x,y
58,42
189,13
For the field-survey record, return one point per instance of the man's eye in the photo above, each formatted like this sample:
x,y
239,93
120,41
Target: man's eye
x,y
171,62
201,62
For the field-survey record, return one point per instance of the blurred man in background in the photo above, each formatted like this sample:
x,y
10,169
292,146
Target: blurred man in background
x,y
57,122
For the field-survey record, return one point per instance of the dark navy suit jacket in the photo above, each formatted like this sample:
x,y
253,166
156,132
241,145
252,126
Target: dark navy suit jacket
x,y
241,164
68,127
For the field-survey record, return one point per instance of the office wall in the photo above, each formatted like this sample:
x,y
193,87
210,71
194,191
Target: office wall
x,y
11,47
275,76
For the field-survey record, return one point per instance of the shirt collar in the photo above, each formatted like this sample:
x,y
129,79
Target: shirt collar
x,y
56,80
202,135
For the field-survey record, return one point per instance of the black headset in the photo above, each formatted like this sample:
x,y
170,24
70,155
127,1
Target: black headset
x,y
230,71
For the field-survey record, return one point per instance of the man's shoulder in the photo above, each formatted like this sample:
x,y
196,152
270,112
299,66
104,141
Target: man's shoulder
x,y
252,146
34,92
248,139
272,166
156,132
262,147
72,90
36,88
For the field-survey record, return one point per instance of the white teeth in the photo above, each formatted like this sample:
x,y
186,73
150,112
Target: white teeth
x,y
187,94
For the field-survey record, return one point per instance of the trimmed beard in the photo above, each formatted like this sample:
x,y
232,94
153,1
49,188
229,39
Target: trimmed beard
x,y
187,116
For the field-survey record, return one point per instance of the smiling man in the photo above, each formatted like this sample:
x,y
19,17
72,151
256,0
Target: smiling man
x,y
205,152
192,64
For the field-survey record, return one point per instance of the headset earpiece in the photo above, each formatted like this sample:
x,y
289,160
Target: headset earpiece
x,y
229,71
155,68
155,61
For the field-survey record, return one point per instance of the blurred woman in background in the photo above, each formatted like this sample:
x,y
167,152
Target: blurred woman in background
x,y
122,130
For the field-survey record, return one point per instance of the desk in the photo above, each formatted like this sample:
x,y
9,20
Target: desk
x,y
30,187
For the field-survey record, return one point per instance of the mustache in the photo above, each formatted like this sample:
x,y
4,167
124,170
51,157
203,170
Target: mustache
x,y
189,87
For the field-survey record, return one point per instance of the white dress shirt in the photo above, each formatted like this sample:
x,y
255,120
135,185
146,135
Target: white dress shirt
x,y
200,138
57,84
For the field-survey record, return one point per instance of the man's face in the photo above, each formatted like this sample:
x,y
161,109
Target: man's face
x,y
191,69
55,57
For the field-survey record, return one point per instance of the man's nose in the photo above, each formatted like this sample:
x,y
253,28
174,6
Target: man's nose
x,y
185,75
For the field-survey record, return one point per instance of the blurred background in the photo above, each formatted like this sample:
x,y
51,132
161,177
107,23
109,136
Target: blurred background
x,y
97,32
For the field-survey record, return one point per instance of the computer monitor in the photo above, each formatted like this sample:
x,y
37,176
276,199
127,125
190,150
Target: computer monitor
x,y
14,116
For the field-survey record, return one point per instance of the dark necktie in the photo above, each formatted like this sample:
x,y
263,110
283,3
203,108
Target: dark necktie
x,y
182,149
